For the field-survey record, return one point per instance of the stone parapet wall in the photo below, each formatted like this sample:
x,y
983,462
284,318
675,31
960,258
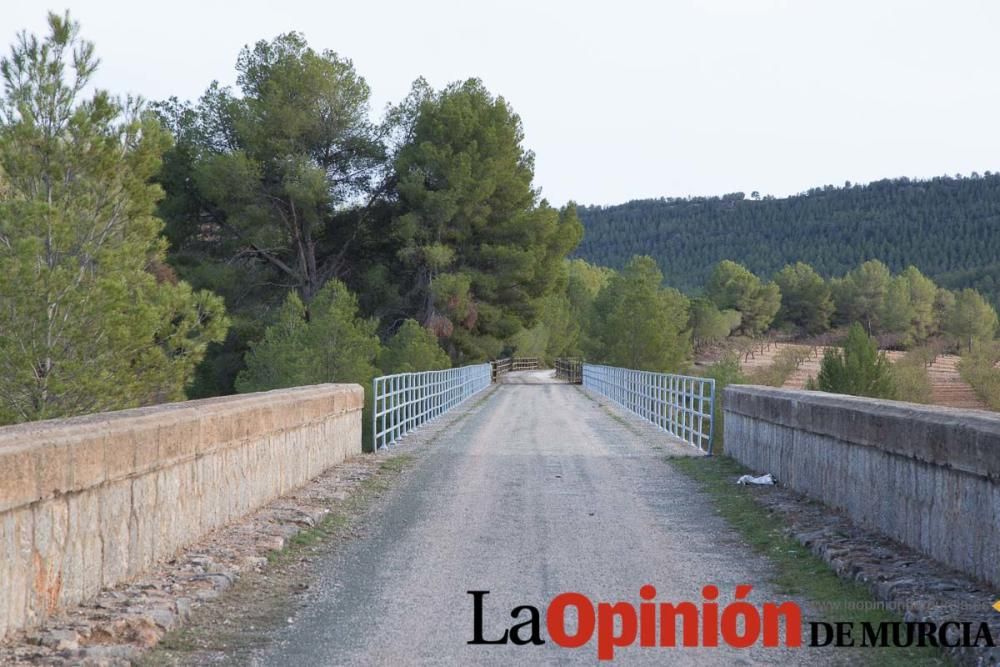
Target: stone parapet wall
x,y
926,476
90,501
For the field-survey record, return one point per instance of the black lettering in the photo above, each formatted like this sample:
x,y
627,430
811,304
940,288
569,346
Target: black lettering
x,y
897,639
942,637
874,634
533,623
814,628
985,635
925,634
844,633
477,620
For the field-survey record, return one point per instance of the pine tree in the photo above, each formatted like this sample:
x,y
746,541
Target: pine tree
x,y
412,349
971,319
859,369
733,286
805,299
640,324
330,343
91,318
479,250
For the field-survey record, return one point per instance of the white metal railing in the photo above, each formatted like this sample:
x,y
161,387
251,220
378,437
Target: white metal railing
x,y
404,401
679,404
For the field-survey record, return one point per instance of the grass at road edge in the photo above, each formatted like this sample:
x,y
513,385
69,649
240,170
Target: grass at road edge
x,y
798,572
337,519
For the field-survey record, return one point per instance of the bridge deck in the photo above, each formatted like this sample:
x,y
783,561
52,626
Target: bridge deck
x,y
532,491
542,376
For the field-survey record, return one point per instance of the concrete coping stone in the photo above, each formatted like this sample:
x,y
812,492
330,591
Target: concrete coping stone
x,y
965,440
40,460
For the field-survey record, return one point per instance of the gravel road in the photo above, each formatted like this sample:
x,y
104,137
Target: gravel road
x,y
538,490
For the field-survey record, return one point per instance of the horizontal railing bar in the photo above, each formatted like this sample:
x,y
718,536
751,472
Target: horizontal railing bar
x,y
403,401
683,405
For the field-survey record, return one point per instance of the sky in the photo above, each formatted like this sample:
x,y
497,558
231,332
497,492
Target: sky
x,y
624,100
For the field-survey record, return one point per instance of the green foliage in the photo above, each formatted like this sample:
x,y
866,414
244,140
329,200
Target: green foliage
x,y
412,349
261,188
859,369
91,319
970,319
922,296
861,295
732,286
584,283
557,333
910,377
978,367
945,225
331,344
709,324
562,327
806,302
637,323
260,175
468,219
897,312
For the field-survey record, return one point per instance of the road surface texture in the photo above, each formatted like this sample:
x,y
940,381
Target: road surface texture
x,y
541,489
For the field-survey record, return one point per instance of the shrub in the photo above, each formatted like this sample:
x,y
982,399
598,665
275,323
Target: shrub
x,y
979,368
859,369
910,377
786,361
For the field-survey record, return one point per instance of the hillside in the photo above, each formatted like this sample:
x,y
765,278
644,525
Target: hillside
x,y
947,227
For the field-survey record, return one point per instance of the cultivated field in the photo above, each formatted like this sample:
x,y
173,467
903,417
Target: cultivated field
x,y
947,386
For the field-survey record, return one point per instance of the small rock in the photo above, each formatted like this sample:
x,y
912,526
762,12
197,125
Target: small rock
x,y
183,607
163,618
60,640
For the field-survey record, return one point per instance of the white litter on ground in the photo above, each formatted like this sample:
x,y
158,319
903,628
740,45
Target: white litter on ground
x,y
766,480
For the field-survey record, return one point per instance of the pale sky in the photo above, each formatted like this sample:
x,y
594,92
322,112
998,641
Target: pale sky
x,y
623,100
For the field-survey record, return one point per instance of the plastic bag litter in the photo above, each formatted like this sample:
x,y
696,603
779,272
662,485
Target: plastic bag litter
x,y
766,480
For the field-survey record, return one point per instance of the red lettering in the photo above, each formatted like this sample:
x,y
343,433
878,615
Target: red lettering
x,y
793,623
607,640
555,619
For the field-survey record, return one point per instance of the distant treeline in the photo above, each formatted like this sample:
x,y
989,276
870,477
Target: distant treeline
x,y
947,227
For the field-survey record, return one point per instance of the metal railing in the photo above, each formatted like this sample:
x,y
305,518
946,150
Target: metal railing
x,y
526,364
679,404
501,367
508,364
570,370
404,401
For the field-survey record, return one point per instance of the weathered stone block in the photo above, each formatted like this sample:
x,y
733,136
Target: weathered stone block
x,y
18,480
115,508
90,501
54,467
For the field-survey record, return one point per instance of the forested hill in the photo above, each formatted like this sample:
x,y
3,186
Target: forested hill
x,y
949,228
